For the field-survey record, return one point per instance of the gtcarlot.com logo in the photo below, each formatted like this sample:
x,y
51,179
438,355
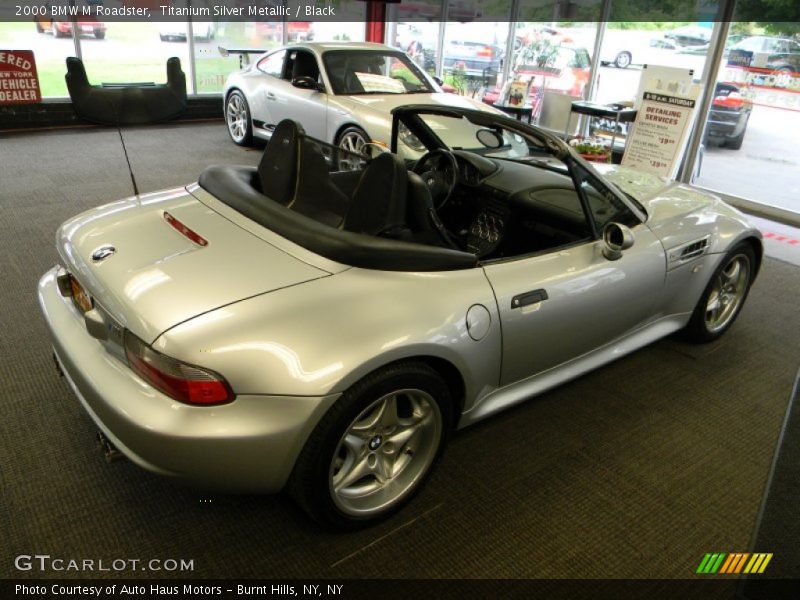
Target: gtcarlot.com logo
x,y
45,562
734,563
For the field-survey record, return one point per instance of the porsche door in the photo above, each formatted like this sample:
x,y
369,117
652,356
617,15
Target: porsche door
x,y
309,107
568,300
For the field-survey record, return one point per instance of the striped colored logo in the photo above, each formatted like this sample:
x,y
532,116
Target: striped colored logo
x,y
720,563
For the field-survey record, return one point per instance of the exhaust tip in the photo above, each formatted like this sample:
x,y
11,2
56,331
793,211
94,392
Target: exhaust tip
x,y
108,449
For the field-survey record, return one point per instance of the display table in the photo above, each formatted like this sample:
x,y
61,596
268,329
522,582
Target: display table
x,y
517,110
616,112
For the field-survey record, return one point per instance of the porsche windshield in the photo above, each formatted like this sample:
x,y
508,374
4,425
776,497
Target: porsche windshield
x,y
459,133
358,72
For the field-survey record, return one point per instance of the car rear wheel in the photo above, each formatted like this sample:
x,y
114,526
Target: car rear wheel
x,y
99,34
736,142
354,140
623,60
374,448
724,296
237,116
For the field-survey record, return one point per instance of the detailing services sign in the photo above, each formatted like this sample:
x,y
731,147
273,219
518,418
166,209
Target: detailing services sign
x,y
659,134
19,83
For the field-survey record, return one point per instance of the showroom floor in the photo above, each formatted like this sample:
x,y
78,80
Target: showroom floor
x,y
635,470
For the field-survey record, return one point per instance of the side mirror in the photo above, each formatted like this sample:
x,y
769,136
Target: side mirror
x,y
438,80
616,238
306,83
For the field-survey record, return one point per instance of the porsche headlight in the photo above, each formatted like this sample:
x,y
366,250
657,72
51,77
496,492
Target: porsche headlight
x,y
409,139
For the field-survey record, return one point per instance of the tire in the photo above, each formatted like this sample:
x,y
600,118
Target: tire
x,y
623,60
39,28
397,421
735,143
352,139
100,35
162,37
706,325
238,120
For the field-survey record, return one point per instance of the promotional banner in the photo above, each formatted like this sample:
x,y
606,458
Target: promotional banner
x,y
19,83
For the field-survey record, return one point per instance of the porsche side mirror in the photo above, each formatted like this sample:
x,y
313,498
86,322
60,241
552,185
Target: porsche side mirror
x,y
307,83
439,80
616,238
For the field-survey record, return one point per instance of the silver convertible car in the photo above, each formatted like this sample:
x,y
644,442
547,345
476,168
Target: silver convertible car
x,y
342,92
324,331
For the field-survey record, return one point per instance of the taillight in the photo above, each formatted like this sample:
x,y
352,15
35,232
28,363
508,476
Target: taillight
x,y
185,383
732,100
486,51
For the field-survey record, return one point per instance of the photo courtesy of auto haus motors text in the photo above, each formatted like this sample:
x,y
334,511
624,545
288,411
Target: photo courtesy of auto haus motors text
x,y
182,590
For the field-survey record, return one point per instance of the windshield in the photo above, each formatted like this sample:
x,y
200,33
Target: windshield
x,y
358,72
458,133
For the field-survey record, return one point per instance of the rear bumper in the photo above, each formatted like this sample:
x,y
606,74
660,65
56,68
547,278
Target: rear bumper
x,y
249,445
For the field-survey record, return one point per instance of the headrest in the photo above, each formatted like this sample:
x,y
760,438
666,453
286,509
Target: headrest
x,y
277,171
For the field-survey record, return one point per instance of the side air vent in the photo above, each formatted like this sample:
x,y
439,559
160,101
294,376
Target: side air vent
x,y
687,252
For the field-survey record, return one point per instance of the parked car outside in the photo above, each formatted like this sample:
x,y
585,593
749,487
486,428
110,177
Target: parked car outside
x,y
201,30
564,69
778,57
474,59
86,26
729,114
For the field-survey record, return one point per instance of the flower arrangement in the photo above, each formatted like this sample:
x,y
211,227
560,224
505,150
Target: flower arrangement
x,y
591,149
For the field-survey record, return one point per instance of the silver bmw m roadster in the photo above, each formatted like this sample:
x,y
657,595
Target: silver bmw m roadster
x,y
321,330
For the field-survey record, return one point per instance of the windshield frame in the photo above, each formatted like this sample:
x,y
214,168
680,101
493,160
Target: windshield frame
x,y
577,168
402,56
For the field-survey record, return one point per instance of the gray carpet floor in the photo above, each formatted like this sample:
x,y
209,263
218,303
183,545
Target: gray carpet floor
x,y
635,470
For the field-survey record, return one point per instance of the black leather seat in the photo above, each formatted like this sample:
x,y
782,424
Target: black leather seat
x,y
305,65
378,205
293,172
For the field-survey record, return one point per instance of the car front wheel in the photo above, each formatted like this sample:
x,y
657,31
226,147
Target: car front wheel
x,y
623,60
724,296
237,116
353,140
374,448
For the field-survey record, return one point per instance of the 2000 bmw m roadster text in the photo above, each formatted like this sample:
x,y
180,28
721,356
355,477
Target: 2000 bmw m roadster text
x,y
323,330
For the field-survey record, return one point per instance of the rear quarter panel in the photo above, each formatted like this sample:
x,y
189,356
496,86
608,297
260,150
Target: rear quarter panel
x,y
320,338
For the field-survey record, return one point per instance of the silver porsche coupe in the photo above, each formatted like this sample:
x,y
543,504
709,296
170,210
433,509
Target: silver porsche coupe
x,y
297,326
342,92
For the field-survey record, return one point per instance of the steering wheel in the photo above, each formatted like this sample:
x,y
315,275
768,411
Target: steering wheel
x,y
436,177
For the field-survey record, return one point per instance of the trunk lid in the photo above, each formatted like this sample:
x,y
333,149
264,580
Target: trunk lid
x,y
157,277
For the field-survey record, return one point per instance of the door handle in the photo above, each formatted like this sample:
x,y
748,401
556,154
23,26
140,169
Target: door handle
x,y
528,298
271,96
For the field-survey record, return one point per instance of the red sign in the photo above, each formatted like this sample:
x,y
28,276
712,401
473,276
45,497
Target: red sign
x,y
19,83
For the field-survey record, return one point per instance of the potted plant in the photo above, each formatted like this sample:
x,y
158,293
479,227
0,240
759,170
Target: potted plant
x,y
591,149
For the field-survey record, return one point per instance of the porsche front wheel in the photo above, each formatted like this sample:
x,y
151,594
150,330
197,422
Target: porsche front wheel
x,y
237,117
724,296
374,448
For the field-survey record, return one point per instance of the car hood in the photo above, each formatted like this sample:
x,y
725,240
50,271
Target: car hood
x,y
158,277
663,198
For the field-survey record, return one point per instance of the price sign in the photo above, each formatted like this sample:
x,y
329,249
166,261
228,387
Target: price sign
x,y
659,132
19,82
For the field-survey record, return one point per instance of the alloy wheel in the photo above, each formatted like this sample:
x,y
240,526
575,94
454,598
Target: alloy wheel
x,y
727,293
385,451
237,118
355,144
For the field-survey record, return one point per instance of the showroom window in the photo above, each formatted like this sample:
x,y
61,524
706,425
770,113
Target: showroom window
x,y
750,144
414,28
